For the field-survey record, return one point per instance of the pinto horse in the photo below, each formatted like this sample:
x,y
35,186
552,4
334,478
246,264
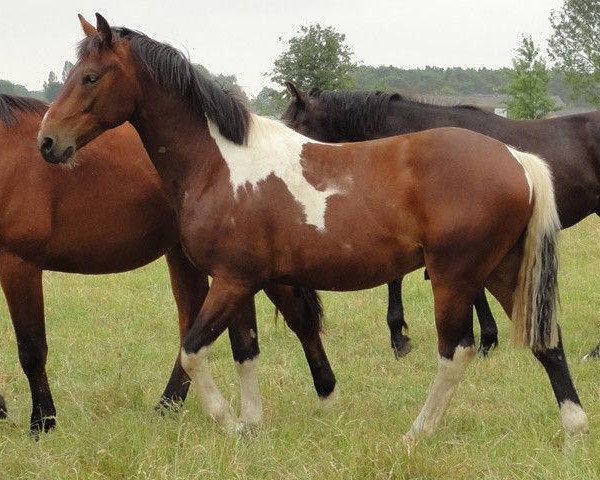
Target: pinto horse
x,y
110,214
258,202
570,146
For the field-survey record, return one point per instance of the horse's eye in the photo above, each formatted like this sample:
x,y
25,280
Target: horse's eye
x,y
90,78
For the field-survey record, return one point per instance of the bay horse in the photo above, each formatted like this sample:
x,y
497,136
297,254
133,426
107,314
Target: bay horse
x,y
570,145
110,214
258,202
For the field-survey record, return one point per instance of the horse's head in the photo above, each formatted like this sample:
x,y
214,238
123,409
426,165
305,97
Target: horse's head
x,y
305,114
100,92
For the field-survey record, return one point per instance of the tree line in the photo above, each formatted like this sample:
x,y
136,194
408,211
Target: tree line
x,y
318,57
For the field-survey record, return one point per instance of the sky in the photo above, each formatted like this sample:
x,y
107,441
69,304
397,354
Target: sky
x,y
243,37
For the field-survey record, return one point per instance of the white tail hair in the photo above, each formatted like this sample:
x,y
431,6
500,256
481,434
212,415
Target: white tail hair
x,y
535,298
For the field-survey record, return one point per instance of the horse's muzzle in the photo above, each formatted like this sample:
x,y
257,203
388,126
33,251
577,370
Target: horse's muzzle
x,y
48,149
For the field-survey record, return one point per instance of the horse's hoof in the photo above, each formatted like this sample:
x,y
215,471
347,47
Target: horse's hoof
x,y
486,345
401,347
328,402
168,406
248,429
42,425
3,409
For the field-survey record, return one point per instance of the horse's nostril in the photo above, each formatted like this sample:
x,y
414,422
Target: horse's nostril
x,y
47,145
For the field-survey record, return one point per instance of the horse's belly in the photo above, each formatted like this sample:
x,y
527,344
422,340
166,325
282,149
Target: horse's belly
x,y
353,267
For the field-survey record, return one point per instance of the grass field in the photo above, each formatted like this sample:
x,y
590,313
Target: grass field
x,y
112,341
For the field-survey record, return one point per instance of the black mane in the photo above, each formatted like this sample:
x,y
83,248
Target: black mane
x,y
363,113
175,74
10,104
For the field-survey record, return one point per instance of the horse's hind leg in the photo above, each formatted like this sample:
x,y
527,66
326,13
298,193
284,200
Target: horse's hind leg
x,y
3,409
301,311
395,319
22,285
190,288
502,285
456,348
573,417
489,329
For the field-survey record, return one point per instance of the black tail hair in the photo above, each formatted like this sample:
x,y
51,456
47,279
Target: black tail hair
x,y
311,305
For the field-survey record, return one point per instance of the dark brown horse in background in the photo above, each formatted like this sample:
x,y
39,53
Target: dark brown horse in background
x,y
570,145
108,215
257,202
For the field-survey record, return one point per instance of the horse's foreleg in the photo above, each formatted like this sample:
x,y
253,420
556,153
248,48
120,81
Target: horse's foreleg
x,y
243,336
489,329
302,313
224,299
456,348
22,285
395,319
3,409
190,288
573,417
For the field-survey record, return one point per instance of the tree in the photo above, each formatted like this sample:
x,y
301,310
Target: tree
x,y
9,88
51,87
528,84
269,102
575,46
66,69
316,57
227,82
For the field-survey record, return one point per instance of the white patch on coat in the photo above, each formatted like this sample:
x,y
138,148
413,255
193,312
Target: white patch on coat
x,y
449,374
251,405
213,402
573,418
519,157
273,149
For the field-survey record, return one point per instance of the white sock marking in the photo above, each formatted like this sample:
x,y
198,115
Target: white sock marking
x,y
330,400
213,402
251,404
573,418
449,374
273,149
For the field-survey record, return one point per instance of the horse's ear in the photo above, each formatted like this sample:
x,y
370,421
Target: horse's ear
x,y
298,95
88,28
103,29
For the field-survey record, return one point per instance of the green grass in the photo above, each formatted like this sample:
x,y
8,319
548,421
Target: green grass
x,y
112,341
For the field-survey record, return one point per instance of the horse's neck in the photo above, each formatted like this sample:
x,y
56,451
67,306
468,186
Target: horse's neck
x,y
177,141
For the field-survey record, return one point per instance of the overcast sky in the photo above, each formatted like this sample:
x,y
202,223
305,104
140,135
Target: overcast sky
x,y
242,37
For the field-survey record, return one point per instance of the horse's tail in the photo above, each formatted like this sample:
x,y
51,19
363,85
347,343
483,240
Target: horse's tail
x,y
535,299
312,308
305,311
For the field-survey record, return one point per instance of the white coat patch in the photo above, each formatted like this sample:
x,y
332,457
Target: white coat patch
x,y
518,154
273,149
